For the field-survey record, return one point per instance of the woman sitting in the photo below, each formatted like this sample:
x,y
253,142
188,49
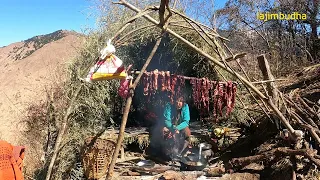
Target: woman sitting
x,y
176,124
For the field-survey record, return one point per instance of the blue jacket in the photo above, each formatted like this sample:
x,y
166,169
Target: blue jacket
x,y
184,118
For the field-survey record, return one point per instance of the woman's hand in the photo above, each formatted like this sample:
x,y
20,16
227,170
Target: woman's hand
x,y
165,129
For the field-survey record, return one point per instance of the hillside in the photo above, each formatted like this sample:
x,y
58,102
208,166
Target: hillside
x,y
28,67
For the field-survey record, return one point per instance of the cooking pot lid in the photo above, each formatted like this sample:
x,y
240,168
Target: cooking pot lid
x,y
146,163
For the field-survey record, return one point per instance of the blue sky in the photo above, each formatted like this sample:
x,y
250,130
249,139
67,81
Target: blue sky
x,y
23,19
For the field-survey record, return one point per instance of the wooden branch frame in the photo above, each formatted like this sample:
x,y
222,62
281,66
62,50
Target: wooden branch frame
x,y
118,42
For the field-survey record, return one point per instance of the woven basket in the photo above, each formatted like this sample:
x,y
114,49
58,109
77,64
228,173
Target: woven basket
x,y
96,157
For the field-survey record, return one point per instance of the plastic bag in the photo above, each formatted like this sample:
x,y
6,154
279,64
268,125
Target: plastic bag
x,y
108,67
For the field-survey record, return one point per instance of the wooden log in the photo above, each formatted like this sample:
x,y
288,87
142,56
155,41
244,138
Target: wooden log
x,y
267,75
300,83
215,171
267,156
127,109
131,173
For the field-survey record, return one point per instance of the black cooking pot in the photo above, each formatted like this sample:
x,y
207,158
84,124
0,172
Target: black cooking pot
x,y
193,163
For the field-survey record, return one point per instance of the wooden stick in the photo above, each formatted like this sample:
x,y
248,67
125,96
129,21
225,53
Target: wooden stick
x,y
311,111
267,75
187,27
300,111
218,63
61,132
236,56
127,109
308,127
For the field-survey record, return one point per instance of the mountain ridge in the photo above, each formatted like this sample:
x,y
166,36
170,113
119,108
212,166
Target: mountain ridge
x,y
25,76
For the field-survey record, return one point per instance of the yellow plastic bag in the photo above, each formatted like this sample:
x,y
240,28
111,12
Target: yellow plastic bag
x,y
108,67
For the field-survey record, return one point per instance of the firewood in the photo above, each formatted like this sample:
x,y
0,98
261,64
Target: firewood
x,y
269,155
308,108
215,171
131,173
300,111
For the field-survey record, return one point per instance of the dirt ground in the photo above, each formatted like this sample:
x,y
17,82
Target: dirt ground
x,y
24,81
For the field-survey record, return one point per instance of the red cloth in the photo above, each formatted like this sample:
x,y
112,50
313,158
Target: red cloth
x,y
124,88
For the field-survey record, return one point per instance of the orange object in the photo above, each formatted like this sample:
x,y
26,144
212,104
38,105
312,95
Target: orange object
x,y
11,161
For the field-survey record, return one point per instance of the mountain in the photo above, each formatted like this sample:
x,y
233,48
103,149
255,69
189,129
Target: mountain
x,y
27,68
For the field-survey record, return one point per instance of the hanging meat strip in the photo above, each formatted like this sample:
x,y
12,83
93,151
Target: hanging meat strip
x,y
199,86
233,98
174,80
203,104
151,86
207,95
146,83
220,98
163,80
212,87
168,81
216,98
178,92
229,97
194,91
156,74
181,84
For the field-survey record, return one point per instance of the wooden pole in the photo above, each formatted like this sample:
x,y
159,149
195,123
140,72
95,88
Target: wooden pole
x,y
127,109
267,75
